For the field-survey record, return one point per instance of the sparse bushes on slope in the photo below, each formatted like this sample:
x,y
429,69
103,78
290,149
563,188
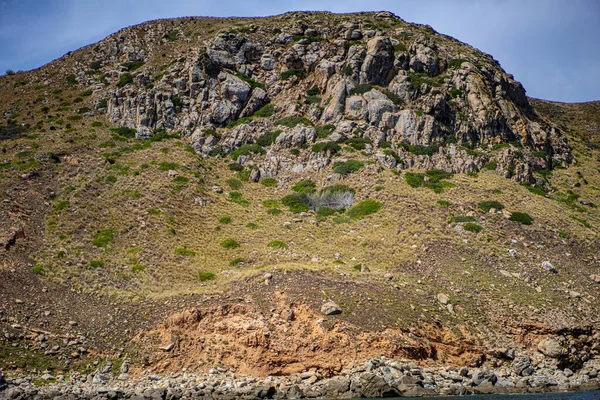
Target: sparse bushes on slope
x,y
364,208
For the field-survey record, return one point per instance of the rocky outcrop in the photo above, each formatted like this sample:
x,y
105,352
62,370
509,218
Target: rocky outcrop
x,y
404,85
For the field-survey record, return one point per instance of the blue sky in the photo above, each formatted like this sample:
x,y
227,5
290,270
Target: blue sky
x,y
551,46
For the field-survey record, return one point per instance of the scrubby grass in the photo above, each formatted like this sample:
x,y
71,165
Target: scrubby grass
x,y
96,264
323,131
265,111
38,270
522,218
236,262
225,219
252,225
444,203
274,211
361,89
358,143
435,180
463,218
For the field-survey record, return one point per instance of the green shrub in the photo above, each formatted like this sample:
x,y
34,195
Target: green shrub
x,y
225,220
96,264
132,65
285,75
184,251
292,121
294,152
235,184
444,203
38,270
417,79
414,179
110,179
274,211
103,237
277,244
364,208
489,204
253,84
236,262
491,165
304,186
137,268
325,212
400,47
360,89
170,36
345,168
438,174
167,166
86,93
323,131
394,98
269,182
124,132
358,143
522,218
205,276
472,227
74,117
268,138
235,167
246,150
96,124
61,205
270,203
420,150
535,189
332,147
182,180
456,63
296,203
463,218
71,79
265,111
239,121
252,225
229,244
124,80
313,91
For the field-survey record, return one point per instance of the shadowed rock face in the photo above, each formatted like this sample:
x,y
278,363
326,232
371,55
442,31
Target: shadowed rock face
x,y
376,76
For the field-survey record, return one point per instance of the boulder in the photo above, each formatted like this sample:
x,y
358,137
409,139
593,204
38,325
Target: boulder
x,y
379,61
330,308
551,348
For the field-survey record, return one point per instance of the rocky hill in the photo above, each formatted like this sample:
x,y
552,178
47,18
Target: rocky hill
x,y
293,196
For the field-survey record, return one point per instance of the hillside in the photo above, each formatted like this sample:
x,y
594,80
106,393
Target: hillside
x,y
189,193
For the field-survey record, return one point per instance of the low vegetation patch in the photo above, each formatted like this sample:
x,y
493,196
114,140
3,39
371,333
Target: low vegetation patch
x,y
277,244
235,184
205,276
225,219
522,218
229,244
269,182
472,227
285,75
292,121
330,147
364,208
103,237
305,186
489,204
296,203
348,167
268,138
247,150
433,179
184,251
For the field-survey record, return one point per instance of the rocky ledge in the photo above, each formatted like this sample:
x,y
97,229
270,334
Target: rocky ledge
x,y
378,377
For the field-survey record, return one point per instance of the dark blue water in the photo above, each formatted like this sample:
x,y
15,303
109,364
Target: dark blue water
x,y
592,395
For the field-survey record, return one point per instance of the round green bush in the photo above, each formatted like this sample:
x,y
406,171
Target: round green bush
x,y
522,218
229,244
277,244
472,227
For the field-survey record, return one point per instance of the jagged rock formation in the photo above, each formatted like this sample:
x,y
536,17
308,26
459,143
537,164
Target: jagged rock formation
x,y
431,101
